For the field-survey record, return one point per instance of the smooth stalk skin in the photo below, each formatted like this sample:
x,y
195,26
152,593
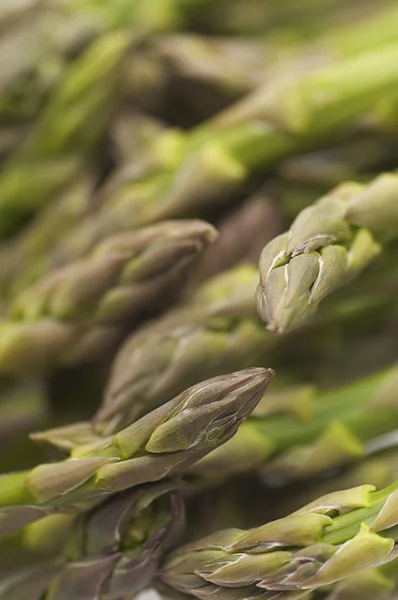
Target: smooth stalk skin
x,y
217,159
318,432
71,125
77,312
21,410
163,443
328,540
327,245
241,236
27,256
216,331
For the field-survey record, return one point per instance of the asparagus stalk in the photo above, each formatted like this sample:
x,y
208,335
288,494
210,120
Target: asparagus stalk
x,y
219,157
164,442
108,552
71,125
330,539
328,244
26,257
213,333
315,436
205,74
77,312
114,550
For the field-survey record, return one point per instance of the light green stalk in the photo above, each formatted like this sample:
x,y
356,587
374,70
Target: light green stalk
x,y
77,312
163,443
72,123
220,156
328,540
25,258
319,432
328,244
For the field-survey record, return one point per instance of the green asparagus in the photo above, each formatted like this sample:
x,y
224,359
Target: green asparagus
x,y
213,333
108,552
77,312
25,257
328,244
72,123
328,540
218,158
164,442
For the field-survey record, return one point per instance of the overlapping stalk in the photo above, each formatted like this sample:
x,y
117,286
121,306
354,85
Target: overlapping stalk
x,y
319,432
76,313
71,125
214,332
327,245
217,159
326,541
110,552
163,443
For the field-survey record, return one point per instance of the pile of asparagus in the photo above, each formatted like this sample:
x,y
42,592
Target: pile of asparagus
x,y
198,325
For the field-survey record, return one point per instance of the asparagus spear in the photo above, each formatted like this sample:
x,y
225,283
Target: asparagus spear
x,y
108,552
326,541
78,311
220,156
213,333
313,437
164,442
328,244
114,550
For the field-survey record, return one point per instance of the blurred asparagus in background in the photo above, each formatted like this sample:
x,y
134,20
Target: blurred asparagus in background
x,y
241,236
77,312
21,410
70,126
215,162
25,257
299,433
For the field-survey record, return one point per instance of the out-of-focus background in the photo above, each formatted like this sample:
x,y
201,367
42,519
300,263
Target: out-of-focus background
x,y
149,151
